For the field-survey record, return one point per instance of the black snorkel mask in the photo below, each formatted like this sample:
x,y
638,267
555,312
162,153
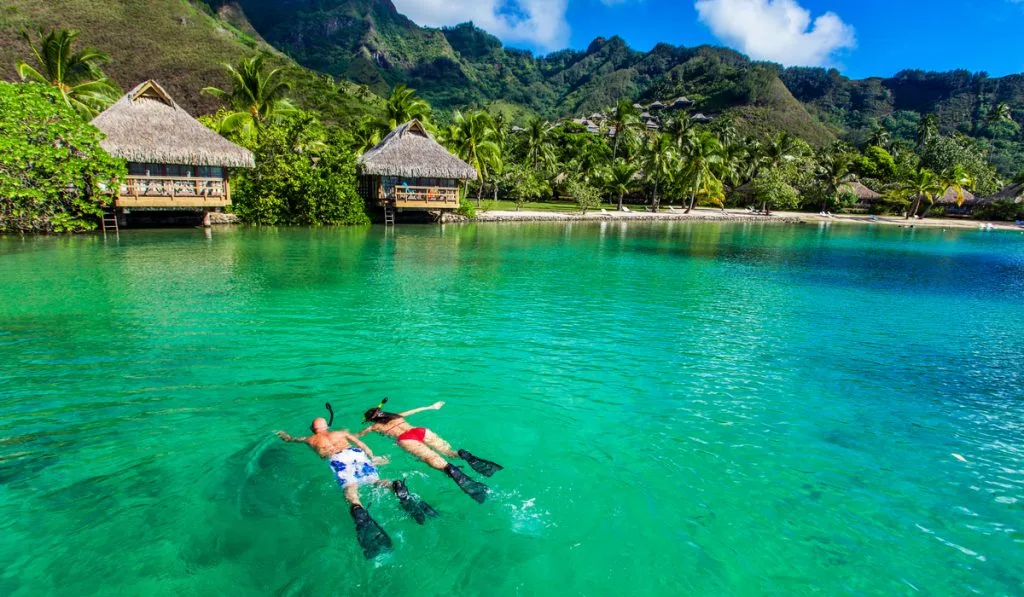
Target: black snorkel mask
x,y
330,421
377,408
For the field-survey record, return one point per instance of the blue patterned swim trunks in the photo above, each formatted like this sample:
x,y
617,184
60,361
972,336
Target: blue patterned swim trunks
x,y
352,466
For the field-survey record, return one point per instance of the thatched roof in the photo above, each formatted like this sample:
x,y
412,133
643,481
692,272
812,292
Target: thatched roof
x,y
949,197
862,192
147,126
410,151
1013,193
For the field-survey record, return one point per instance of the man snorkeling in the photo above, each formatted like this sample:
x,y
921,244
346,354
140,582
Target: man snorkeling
x,y
354,467
426,445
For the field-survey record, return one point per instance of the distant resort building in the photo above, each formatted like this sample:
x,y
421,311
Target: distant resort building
x,y
174,162
408,170
865,196
1013,193
948,201
648,117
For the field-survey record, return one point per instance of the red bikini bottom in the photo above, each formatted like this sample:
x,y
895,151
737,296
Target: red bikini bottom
x,y
416,434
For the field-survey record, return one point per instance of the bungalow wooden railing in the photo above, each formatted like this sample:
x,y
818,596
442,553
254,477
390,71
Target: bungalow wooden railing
x,y
405,193
173,186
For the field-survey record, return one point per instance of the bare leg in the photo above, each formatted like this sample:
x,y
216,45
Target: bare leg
x,y
424,453
434,441
352,494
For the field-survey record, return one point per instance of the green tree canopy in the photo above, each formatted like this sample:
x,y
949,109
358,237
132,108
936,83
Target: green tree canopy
x,y
303,176
54,177
772,189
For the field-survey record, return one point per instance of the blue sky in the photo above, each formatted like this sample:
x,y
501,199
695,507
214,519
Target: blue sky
x,y
864,38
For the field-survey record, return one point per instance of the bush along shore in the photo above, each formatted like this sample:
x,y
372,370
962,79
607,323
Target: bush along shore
x,y
55,178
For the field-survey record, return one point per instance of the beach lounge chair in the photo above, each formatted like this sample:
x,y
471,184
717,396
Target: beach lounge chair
x,y
625,209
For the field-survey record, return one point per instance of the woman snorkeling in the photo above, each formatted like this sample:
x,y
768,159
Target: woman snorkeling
x,y
428,447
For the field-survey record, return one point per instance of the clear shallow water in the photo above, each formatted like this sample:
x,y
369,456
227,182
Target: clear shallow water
x,y
700,409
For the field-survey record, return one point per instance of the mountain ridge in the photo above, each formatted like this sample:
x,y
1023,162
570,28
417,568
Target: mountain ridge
x,y
371,44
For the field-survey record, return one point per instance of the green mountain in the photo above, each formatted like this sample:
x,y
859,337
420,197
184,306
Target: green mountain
x,y
367,46
180,43
370,42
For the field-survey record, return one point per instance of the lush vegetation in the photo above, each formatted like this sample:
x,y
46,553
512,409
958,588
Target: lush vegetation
x,y
183,44
54,177
303,175
780,138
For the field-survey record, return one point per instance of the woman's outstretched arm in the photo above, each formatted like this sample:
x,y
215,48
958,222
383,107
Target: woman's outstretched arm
x,y
434,406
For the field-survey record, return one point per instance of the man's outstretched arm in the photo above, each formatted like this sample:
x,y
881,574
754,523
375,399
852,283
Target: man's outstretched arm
x,y
434,406
284,436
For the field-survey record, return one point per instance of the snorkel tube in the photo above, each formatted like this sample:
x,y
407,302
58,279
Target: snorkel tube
x,y
327,405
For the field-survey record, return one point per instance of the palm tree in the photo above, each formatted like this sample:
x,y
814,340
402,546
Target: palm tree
x,y
704,155
927,129
921,185
738,163
475,142
77,75
880,137
1001,112
659,161
624,119
782,148
620,178
256,98
833,171
404,105
365,135
956,178
537,137
680,130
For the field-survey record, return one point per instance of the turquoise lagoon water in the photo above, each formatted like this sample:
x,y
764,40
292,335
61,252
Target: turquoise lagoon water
x,y
685,409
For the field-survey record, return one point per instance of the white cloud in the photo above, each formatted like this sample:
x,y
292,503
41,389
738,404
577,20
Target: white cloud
x,y
538,22
777,30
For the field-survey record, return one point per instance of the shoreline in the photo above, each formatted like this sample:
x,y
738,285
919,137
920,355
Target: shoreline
x,y
735,215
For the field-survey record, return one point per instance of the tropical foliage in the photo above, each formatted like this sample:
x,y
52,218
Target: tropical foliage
x,y
258,96
54,177
77,75
303,175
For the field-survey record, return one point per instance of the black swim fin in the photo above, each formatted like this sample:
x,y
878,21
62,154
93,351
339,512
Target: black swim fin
x,y
372,538
412,504
474,489
484,467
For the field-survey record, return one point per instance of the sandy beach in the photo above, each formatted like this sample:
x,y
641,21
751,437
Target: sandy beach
x,y
736,215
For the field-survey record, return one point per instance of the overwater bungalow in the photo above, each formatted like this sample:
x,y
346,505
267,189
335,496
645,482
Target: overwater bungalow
x,y
408,170
174,162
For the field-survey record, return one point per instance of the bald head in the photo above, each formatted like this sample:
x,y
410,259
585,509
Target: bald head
x,y
319,425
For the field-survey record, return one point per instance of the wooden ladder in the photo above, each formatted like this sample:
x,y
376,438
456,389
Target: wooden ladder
x,y
389,214
110,220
